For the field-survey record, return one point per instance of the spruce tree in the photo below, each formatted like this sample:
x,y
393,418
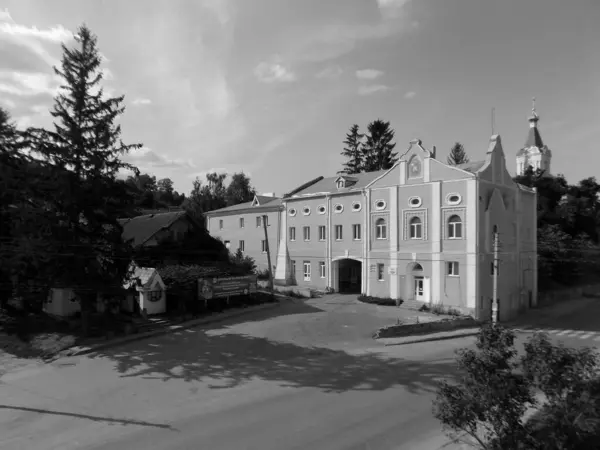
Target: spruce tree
x,y
457,155
378,150
86,144
353,151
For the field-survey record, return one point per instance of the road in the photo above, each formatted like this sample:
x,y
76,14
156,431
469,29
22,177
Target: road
x,y
258,384
305,375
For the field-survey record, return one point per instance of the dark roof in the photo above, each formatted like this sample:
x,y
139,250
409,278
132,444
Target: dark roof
x,y
534,139
327,185
266,203
140,229
471,166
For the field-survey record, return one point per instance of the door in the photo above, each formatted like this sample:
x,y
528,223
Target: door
x,y
419,288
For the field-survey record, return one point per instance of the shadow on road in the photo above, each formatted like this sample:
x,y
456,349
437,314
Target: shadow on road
x,y
229,360
87,417
575,314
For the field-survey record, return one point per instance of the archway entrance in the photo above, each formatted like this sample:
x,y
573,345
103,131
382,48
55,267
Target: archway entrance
x,y
349,278
417,283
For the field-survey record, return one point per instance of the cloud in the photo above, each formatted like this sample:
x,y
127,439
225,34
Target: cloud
x,y
330,72
273,72
368,74
371,89
7,103
141,101
410,94
146,158
28,84
391,8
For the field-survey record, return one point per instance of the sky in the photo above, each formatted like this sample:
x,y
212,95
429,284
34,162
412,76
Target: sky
x,y
271,87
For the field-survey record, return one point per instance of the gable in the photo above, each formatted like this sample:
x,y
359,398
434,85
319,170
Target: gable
x,y
494,168
438,171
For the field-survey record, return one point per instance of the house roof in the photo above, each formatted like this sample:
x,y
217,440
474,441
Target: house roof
x,y
264,203
145,275
328,185
140,229
471,166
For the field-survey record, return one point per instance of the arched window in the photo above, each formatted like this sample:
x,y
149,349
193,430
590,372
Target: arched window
x,y
416,228
380,229
454,227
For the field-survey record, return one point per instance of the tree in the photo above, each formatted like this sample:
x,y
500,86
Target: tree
x,y
488,408
378,150
457,155
239,190
86,146
206,197
353,151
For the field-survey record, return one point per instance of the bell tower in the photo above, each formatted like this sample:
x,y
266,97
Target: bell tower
x,y
534,153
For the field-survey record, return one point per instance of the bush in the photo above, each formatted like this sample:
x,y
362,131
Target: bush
x,y
245,264
262,274
441,310
385,301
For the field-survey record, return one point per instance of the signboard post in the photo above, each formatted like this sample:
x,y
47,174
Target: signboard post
x,y
225,287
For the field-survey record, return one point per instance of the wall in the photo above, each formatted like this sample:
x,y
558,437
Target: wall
x,y
250,234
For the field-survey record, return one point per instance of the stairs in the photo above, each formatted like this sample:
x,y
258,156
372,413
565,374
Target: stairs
x,y
412,304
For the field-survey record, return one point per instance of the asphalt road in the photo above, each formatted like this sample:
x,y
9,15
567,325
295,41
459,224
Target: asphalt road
x,y
258,384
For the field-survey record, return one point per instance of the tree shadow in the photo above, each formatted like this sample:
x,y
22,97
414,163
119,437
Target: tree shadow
x,y
88,417
226,360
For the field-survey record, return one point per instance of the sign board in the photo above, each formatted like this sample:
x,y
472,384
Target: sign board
x,y
222,287
372,268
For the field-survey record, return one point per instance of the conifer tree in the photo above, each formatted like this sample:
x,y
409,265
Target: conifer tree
x,y
457,155
378,150
353,151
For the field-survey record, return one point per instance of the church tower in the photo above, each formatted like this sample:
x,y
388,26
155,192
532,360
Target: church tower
x,y
535,153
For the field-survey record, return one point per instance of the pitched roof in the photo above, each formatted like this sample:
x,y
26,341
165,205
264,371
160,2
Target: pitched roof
x,y
328,185
143,275
264,203
140,229
471,166
534,139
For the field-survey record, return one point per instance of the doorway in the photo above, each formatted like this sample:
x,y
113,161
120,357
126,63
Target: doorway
x,y
349,276
419,286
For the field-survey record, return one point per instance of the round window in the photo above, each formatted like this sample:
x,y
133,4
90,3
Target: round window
x,y
339,208
414,202
356,206
453,199
380,204
292,211
321,209
306,211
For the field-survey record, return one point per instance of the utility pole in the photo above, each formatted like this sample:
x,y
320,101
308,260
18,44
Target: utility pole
x,y
264,221
495,278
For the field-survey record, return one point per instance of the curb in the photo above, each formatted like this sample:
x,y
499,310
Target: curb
x,y
219,317
430,337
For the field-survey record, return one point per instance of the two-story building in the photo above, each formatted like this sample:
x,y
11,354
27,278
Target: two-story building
x,y
421,231
241,227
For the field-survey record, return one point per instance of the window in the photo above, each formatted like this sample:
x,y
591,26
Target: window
x,y
155,296
306,210
292,212
264,246
380,272
453,268
380,204
416,228
242,246
338,208
380,229
454,227
227,244
322,234
356,232
306,233
356,206
221,224
338,233
258,221
293,269
267,221
306,270
321,209
414,202
241,222
453,199
292,233
340,184
322,269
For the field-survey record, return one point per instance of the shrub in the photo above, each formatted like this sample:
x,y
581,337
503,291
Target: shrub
x,y
385,301
441,310
244,263
262,274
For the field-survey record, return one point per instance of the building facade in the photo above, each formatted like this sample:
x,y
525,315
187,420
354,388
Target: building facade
x,y
241,226
421,231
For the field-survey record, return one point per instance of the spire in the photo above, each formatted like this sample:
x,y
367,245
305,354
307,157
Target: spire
x,y
533,138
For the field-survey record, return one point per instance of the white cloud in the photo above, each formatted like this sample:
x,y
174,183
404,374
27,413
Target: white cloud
x,y
391,8
368,74
330,72
273,72
55,34
410,94
28,84
107,74
7,102
141,101
146,158
371,89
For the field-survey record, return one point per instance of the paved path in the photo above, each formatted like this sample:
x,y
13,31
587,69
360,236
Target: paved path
x,y
306,375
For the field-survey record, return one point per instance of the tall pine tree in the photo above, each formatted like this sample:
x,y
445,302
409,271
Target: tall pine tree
x,y
457,155
378,150
86,144
353,151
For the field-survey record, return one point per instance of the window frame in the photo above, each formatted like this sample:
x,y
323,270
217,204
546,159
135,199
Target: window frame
x,y
306,233
380,272
242,222
220,224
306,273
356,227
415,223
258,221
322,271
292,234
322,233
452,269
339,232
242,245
381,229
453,225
